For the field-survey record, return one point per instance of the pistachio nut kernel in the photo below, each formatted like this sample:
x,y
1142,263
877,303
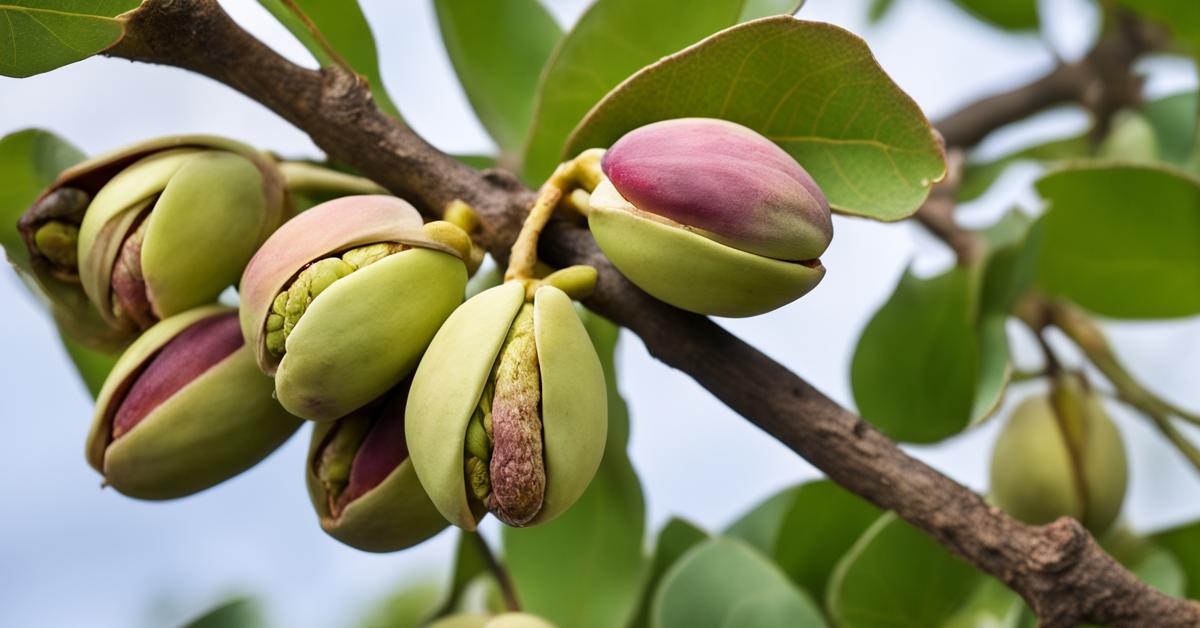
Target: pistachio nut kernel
x,y
1040,472
362,485
711,217
480,620
341,301
508,410
184,409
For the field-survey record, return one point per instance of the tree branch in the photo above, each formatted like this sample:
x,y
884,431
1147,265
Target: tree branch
x,y
1059,569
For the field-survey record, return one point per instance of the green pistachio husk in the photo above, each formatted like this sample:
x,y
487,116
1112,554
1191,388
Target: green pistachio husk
x,y
200,218
392,515
217,425
698,274
341,301
483,350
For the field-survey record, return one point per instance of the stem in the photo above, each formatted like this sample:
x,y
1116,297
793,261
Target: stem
x,y
317,35
1185,447
507,590
305,177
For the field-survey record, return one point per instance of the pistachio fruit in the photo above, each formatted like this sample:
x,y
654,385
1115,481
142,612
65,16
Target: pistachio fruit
x,y
711,217
508,410
1041,471
153,229
362,484
479,620
185,408
341,301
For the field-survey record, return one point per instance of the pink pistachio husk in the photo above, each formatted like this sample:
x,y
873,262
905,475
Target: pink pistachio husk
x,y
724,181
365,332
185,408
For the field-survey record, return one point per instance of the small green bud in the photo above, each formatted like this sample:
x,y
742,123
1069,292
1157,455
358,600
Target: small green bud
x,y
508,409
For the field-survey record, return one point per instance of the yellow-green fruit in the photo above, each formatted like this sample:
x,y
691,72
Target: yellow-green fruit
x,y
185,408
1037,476
341,301
125,239
508,410
362,484
479,620
711,217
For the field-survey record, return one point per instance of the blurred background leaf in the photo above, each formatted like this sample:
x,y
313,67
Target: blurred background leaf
x,y
674,540
916,367
831,107
897,576
1184,543
725,582
1013,15
1122,241
498,49
239,612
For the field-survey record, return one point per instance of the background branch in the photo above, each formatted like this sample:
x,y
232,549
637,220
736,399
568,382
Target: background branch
x,y
1059,569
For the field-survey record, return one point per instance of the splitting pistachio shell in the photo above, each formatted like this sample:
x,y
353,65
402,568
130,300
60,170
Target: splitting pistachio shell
x,y
214,427
699,275
1033,477
74,304
462,620
394,515
364,332
450,380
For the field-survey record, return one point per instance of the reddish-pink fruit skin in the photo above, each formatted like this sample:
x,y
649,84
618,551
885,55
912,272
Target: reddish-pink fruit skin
x,y
726,180
383,449
188,355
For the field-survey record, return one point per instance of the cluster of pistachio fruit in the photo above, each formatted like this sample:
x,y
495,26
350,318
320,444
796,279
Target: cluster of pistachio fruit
x,y
427,410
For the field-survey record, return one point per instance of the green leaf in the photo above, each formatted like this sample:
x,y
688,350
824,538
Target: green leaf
x,y
822,525
42,35
239,612
760,527
345,28
93,366
724,582
991,604
878,10
675,539
30,160
1184,543
978,177
897,576
584,568
755,9
1013,15
916,366
1006,272
812,88
1122,241
806,529
1174,121
613,39
498,50
1160,569
479,162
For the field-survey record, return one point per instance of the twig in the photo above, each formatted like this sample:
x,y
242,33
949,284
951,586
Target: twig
x,y
330,51
1058,569
507,590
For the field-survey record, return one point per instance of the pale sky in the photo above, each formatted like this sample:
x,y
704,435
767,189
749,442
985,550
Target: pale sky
x,y
72,554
